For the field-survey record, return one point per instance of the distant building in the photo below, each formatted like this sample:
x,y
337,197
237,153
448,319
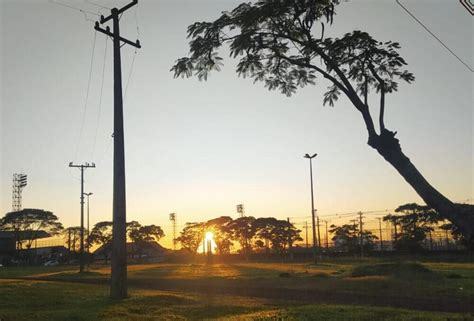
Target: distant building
x,y
7,247
49,252
147,251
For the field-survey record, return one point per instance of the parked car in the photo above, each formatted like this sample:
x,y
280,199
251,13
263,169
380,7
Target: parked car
x,y
51,263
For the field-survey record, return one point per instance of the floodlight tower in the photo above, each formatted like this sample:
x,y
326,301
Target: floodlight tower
x,y
241,210
173,219
19,182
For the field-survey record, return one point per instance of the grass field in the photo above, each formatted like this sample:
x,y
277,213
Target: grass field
x,y
340,290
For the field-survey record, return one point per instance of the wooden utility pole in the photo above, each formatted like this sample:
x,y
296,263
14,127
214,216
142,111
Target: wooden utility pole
x,y
306,235
319,234
327,236
380,233
81,251
118,280
361,235
312,203
88,227
290,250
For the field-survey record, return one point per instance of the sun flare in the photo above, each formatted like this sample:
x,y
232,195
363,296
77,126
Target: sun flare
x,y
209,236
203,246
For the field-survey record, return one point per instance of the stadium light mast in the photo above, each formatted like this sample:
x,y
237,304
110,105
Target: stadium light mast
x,y
240,210
173,218
19,182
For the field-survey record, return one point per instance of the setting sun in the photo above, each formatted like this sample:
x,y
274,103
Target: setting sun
x,y
209,236
203,245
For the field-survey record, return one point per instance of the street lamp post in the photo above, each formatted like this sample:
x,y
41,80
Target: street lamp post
x,y
88,230
312,203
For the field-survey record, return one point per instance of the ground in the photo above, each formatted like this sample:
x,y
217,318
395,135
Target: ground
x,y
356,290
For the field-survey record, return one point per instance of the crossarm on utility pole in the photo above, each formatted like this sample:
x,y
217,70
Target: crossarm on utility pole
x,y
110,34
131,4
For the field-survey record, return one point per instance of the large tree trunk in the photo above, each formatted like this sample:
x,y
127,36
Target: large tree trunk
x,y
460,215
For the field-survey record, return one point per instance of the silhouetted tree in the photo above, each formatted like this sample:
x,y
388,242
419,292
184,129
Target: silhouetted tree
x,y
347,238
456,234
140,235
29,223
243,230
264,230
101,234
413,223
132,230
283,235
191,236
279,233
283,44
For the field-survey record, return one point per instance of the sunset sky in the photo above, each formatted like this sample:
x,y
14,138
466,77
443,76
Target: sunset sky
x,y
200,148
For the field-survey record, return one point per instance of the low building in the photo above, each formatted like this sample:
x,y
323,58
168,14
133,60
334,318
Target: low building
x,y
145,251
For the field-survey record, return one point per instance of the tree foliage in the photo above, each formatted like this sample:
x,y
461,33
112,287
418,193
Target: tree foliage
x,y
263,234
413,222
279,233
140,235
191,236
29,223
347,238
283,43
144,233
101,233
243,230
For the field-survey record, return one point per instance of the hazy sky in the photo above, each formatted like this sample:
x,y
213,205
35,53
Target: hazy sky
x,y
200,148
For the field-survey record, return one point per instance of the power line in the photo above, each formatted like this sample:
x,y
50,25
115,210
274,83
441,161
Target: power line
x,y
434,36
84,12
129,75
100,98
97,5
87,96
136,22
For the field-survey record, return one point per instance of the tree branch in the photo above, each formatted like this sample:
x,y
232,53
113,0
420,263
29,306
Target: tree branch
x,y
382,97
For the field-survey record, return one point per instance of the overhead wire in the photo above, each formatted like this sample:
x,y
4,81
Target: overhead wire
x,y
97,5
433,35
83,11
134,54
136,22
100,98
129,75
87,97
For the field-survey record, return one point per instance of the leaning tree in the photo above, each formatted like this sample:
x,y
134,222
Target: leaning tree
x,y
283,44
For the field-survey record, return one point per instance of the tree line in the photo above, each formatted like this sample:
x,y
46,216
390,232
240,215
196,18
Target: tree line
x,y
412,224
30,224
412,227
265,234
